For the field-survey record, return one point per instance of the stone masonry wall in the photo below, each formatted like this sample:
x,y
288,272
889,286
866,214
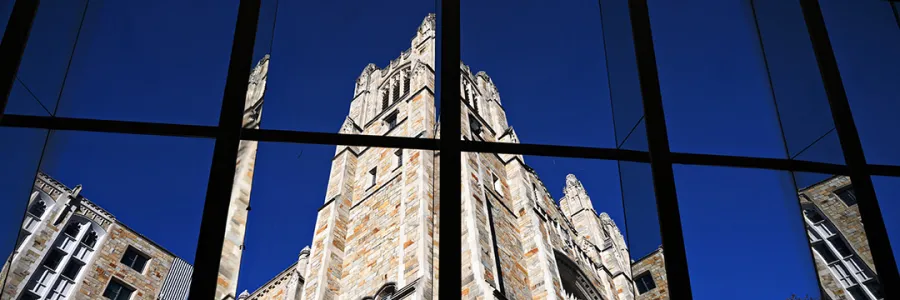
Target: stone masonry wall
x,y
107,265
655,264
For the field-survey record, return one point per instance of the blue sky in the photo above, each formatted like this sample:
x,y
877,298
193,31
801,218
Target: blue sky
x,y
548,63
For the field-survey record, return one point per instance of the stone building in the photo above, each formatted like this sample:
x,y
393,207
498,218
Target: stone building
x,y
71,248
376,234
839,242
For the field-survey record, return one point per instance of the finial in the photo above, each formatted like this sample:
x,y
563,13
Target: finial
x,y
244,295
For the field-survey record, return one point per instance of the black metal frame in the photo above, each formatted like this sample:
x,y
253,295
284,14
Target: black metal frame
x,y
228,133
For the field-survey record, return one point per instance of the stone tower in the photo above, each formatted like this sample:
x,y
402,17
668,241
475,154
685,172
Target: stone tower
x,y
600,231
375,232
243,181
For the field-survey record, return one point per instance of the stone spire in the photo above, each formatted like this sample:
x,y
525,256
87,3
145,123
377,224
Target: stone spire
x,y
575,198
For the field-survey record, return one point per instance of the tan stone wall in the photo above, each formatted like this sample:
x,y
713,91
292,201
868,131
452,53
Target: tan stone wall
x,y
656,265
106,266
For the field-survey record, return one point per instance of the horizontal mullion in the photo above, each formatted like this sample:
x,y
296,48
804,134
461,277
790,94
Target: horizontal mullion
x,y
758,163
554,150
112,126
271,135
884,170
324,138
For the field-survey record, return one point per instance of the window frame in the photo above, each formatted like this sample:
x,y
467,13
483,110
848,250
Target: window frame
x,y
122,286
137,254
638,282
229,132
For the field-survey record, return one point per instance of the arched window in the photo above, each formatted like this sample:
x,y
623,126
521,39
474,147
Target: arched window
x,y
38,208
575,283
385,93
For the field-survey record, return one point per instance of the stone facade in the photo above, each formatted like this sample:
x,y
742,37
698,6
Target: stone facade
x,y
89,243
653,265
840,246
377,233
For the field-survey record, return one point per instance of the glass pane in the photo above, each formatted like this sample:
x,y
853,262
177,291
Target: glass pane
x,y
47,54
624,86
546,60
713,79
721,211
887,189
641,215
20,163
150,61
866,39
132,191
350,238
800,98
327,60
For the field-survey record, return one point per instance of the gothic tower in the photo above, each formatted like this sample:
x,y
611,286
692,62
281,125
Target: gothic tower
x,y
600,232
375,232
243,181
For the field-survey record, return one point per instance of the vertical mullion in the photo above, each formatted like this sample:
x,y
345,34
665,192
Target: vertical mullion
x,y
869,209
660,155
13,45
221,176
450,170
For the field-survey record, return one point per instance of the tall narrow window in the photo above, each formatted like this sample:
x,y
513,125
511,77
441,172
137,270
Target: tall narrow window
x,y
826,253
813,216
475,128
385,98
406,84
644,283
90,239
53,259
398,158
391,121
498,186
396,90
840,246
134,259
370,180
117,291
72,269
847,195
475,104
72,229
38,208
